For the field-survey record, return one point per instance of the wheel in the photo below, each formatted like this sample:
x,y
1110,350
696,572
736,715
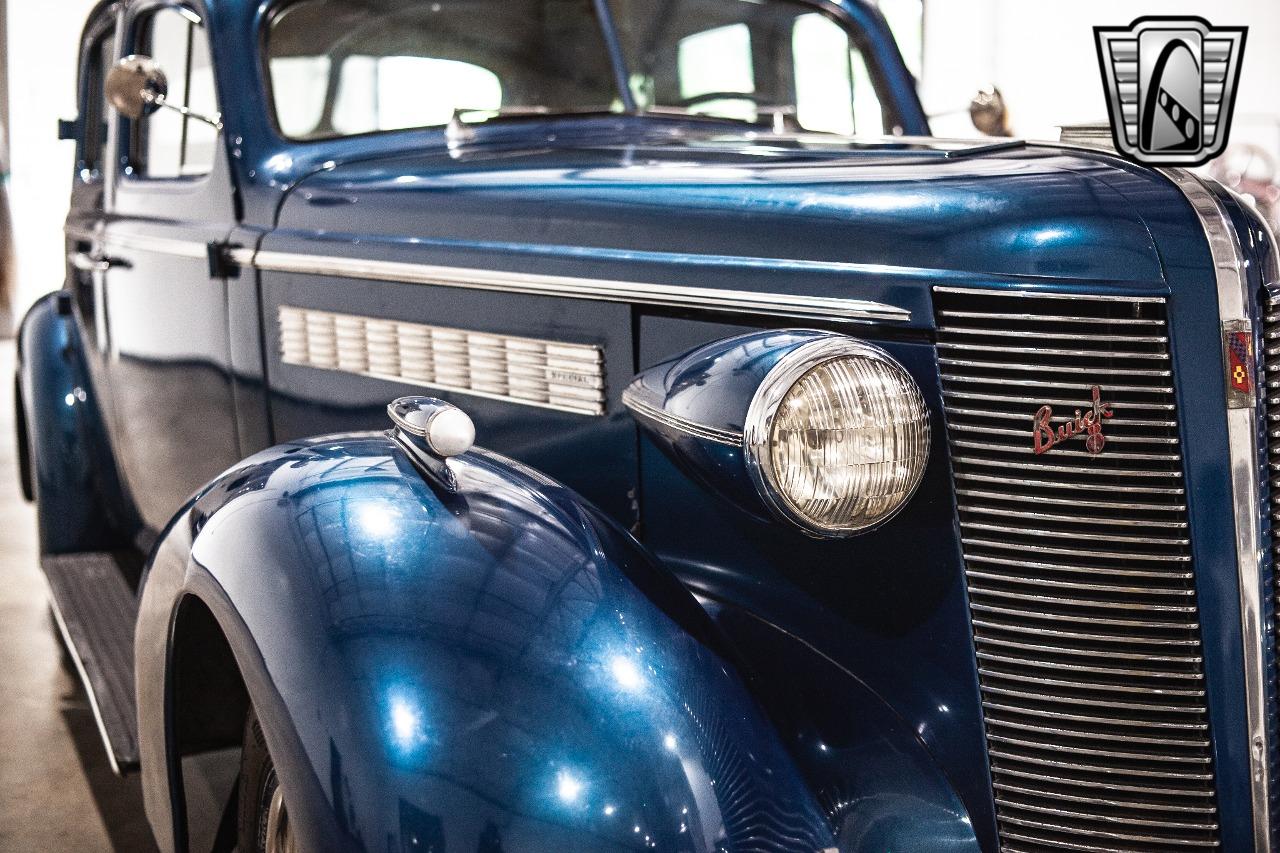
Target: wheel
x,y
264,819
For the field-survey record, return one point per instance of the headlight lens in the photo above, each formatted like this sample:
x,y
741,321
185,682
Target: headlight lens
x,y
837,436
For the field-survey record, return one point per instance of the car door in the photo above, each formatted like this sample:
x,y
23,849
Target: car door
x,y
86,212
167,353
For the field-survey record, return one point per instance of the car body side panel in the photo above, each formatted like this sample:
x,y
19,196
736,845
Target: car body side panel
x,y
593,454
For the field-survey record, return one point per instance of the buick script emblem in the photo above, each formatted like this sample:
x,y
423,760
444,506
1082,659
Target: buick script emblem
x,y
1171,86
1046,435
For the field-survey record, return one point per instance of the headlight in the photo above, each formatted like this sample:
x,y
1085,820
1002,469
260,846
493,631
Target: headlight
x,y
837,436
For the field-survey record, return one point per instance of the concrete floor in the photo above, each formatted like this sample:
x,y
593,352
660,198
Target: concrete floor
x,y
57,791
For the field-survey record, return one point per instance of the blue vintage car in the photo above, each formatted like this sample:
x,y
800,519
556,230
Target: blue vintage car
x,y
841,488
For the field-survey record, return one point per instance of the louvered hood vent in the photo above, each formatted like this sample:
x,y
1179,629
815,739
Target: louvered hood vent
x,y
1079,570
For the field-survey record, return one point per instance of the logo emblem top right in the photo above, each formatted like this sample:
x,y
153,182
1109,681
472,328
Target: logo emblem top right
x,y
1171,86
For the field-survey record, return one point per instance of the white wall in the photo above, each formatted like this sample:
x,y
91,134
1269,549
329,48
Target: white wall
x,y
1042,57
43,39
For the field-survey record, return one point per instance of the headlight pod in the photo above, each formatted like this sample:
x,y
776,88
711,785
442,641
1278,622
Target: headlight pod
x,y
837,436
825,432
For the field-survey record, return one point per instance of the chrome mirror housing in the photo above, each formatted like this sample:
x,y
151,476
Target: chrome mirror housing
x,y
989,112
137,86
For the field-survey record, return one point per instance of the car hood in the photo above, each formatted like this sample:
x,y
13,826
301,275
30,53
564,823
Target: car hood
x,y
931,210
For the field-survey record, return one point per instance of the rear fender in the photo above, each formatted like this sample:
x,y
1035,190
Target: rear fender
x,y
69,460
499,666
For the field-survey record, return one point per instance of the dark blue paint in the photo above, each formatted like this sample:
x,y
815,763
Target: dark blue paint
x,y
871,772
671,205
76,489
887,605
863,645
713,386
500,659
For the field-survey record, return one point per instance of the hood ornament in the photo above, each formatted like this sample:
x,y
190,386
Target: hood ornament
x,y
1046,436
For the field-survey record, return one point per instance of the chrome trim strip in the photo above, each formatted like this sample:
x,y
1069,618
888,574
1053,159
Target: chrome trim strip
x,y
568,287
644,410
160,245
1036,294
768,400
1233,306
735,301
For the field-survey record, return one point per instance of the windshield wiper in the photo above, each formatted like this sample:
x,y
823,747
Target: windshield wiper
x,y
779,117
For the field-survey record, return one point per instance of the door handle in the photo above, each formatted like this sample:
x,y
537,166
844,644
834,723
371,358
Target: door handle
x,y
85,262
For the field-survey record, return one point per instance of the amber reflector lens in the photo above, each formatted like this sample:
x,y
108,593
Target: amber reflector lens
x,y
849,443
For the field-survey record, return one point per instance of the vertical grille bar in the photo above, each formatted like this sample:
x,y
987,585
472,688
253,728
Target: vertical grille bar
x,y
1081,585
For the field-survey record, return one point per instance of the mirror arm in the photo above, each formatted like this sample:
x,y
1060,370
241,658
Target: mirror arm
x,y
214,121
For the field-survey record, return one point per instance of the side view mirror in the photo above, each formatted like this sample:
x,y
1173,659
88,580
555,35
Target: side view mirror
x,y
989,113
136,86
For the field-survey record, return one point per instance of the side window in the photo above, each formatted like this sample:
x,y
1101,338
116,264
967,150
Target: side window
x,y
168,144
98,59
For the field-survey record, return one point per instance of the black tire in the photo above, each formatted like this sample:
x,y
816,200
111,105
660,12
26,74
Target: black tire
x,y
258,784
26,473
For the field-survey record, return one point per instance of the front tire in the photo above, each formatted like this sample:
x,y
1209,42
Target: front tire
x,y
264,825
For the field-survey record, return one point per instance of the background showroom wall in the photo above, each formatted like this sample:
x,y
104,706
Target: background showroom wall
x,y
43,39
1040,54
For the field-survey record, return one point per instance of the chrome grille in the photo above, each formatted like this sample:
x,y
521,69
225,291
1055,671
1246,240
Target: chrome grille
x,y
532,372
1270,300
1079,572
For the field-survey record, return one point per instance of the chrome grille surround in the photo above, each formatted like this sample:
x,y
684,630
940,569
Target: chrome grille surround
x,y
1079,572
1236,312
532,372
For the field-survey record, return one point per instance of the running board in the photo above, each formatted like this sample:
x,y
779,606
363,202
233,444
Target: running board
x,y
96,610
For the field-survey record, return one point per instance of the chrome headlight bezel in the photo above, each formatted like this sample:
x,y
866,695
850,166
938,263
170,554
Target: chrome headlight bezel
x,y
762,414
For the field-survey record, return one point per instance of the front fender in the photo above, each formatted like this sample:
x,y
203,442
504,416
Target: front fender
x,y
499,667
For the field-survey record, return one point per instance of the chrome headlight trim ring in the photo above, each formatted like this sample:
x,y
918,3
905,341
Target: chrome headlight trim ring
x,y
762,413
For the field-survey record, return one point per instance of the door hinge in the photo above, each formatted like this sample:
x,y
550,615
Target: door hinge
x,y
221,264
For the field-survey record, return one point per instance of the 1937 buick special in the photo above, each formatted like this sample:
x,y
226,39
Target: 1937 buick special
x,y
843,488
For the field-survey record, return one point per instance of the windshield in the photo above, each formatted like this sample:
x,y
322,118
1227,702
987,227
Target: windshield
x,y
348,67
779,62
